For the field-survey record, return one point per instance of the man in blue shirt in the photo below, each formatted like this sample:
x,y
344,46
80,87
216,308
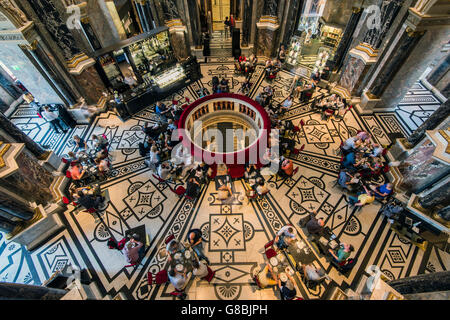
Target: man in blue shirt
x,y
382,191
161,109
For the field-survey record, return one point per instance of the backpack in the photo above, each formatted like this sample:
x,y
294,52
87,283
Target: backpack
x,y
112,244
121,243
350,264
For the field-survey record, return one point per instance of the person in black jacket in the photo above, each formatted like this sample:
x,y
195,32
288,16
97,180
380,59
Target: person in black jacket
x,y
195,240
89,201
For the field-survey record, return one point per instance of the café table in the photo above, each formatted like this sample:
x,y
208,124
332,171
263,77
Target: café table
x,y
280,264
326,241
300,252
184,257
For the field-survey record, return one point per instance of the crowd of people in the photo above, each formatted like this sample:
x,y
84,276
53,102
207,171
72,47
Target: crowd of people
x,y
362,163
331,106
86,166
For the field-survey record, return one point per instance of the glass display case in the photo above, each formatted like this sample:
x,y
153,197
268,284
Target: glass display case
x,y
331,36
143,69
294,51
169,76
110,68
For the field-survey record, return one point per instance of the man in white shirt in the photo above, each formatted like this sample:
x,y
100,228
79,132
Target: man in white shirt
x,y
177,279
164,171
351,143
200,269
285,236
53,118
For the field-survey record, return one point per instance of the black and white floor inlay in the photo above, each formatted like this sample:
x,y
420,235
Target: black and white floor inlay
x,y
235,232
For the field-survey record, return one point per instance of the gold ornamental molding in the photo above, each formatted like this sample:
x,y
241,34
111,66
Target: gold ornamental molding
x,y
356,9
413,33
368,49
32,46
268,22
176,25
371,95
447,138
141,2
365,52
3,151
13,13
78,63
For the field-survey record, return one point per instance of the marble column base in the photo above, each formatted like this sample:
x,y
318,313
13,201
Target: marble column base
x,y
13,106
427,215
197,52
91,83
178,40
51,163
44,224
247,51
368,103
435,91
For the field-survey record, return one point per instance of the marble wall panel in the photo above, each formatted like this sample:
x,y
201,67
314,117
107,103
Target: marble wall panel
x,y
424,53
352,73
30,181
101,22
56,27
420,169
179,45
92,84
265,42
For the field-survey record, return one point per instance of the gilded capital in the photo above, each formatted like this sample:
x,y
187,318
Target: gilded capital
x,y
32,46
17,17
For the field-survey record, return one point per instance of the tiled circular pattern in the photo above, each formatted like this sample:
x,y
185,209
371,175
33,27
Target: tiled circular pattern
x,y
353,226
101,233
133,187
249,231
227,292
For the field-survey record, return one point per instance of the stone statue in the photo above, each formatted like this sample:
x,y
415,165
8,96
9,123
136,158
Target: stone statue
x,y
170,10
270,7
14,11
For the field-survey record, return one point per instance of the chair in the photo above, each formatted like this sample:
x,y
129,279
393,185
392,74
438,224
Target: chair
x,y
68,174
64,160
210,275
135,264
161,277
269,251
179,191
158,178
295,151
169,238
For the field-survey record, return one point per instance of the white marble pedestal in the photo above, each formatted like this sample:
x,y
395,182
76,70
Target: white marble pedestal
x,y
41,229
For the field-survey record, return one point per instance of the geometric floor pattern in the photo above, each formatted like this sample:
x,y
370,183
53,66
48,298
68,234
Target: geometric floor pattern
x,y
416,106
235,233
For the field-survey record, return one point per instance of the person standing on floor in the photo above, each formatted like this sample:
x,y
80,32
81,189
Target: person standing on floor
x,y
53,118
195,240
132,250
226,27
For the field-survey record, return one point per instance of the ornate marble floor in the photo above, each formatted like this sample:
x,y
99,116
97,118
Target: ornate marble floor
x,y
138,199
